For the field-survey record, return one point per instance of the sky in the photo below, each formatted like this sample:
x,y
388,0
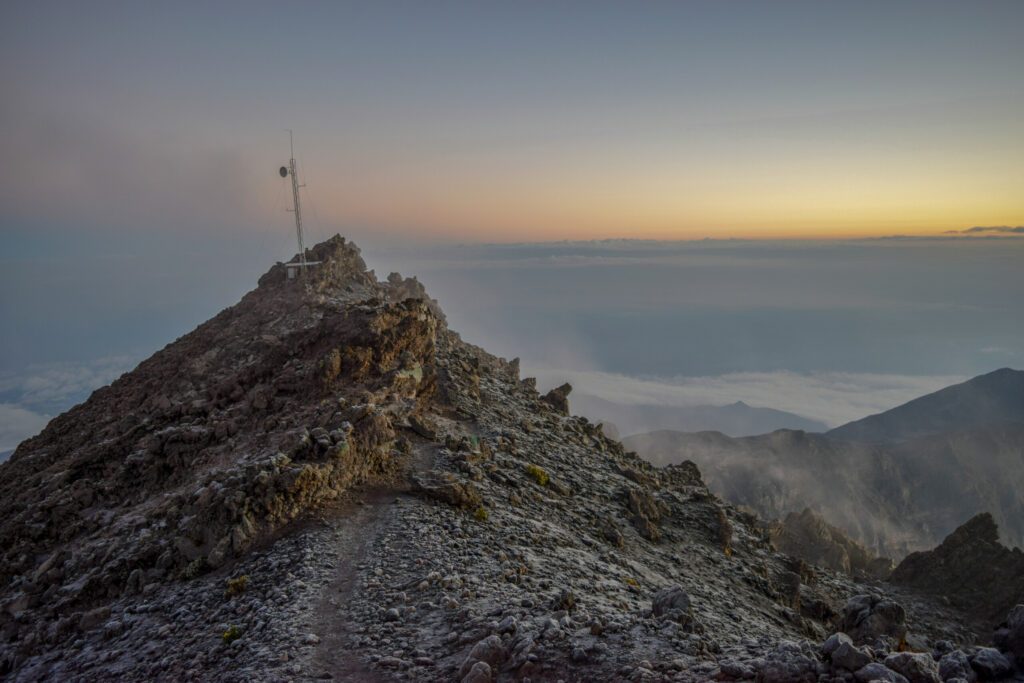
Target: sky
x,y
520,158
516,122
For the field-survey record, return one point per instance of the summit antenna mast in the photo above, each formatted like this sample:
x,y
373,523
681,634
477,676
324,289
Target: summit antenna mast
x,y
291,170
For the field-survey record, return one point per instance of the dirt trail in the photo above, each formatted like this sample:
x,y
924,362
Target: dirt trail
x,y
356,529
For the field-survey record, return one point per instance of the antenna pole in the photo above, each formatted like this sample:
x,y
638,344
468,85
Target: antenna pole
x,y
295,200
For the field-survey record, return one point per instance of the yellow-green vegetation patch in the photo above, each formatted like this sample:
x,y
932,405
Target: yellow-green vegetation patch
x,y
481,514
237,585
232,634
415,373
538,474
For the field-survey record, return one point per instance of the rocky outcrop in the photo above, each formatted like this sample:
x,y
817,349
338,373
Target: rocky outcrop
x,y
808,536
558,398
971,568
275,406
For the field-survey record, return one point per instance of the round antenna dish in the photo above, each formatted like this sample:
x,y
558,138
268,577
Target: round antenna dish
x,y
284,171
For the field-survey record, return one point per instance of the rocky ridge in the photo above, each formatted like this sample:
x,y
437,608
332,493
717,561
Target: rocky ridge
x,y
323,481
808,536
894,497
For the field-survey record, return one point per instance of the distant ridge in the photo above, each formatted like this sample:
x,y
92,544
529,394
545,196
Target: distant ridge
x,y
896,482
994,397
735,419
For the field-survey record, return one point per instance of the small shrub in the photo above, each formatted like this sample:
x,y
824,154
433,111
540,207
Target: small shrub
x,y
630,581
480,514
237,586
538,474
194,568
231,635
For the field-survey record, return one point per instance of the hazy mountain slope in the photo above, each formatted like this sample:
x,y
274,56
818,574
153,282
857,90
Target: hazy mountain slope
x,y
808,536
987,399
893,498
736,419
197,520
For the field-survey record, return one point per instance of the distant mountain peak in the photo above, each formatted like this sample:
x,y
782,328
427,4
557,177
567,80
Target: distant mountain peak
x,y
997,396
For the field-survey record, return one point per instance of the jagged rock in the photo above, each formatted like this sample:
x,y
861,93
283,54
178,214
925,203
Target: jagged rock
x,y
423,426
867,617
971,569
558,398
916,667
646,512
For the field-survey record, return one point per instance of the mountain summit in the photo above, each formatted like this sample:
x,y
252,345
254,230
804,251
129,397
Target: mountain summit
x,y
324,481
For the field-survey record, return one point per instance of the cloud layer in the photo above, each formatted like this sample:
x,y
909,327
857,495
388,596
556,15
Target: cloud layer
x,y
989,229
17,424
832,397
31,396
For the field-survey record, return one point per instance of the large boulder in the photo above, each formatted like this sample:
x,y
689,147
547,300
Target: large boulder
x,y
672,603
866,618
850,657
916,667
990,664
955,664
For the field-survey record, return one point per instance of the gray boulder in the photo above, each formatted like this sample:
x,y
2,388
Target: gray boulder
x,y
990,664
878,672
833,642
489,651
916,667
672,602
867,617
850,657
789,663
479,673
955,664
